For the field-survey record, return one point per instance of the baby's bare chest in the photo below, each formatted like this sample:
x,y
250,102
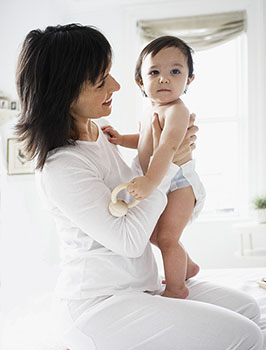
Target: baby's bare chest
x,y
146,122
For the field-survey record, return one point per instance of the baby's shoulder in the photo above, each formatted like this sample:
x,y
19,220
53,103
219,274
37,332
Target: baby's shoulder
x,y
177,105
177,108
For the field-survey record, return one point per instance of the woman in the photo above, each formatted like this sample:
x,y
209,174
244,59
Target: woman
x,y
109,290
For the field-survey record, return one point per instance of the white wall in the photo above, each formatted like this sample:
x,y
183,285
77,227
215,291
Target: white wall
x,y
28,250
17,18
28,242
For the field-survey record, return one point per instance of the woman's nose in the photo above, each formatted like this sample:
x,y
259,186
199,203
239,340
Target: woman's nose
x,y
115,85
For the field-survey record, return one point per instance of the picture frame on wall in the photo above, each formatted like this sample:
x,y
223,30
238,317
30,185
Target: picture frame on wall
x,y
17,160
3,103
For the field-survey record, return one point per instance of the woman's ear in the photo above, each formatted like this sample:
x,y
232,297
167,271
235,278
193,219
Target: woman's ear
x,y
140,83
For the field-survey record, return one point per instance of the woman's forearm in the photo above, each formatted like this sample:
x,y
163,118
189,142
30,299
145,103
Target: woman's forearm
x,y
83,198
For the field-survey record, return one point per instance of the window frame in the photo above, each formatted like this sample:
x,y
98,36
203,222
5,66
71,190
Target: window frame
x,y
240,117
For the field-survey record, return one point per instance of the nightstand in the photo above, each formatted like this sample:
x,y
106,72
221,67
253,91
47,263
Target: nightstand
x,y
246,230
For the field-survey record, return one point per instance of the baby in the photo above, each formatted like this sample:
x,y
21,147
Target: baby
x,y
164,71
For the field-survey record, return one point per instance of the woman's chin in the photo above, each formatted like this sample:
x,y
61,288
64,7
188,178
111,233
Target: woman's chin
x,y
106,110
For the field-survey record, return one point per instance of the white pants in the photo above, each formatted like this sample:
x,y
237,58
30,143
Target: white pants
x,y
211,318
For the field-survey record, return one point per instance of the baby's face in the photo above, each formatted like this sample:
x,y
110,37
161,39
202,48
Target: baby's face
x,y
165,75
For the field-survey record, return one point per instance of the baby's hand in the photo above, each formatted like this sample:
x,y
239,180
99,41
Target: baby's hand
x,y
140,187
113,135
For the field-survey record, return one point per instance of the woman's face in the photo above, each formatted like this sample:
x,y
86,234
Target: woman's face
x,y
95,101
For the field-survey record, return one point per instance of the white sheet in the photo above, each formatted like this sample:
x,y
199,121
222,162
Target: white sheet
x,y
31,328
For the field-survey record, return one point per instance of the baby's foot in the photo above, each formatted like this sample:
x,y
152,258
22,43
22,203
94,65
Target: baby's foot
x,y
179,293
192,269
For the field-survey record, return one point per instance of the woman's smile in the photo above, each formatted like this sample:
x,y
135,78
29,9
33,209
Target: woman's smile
x,y
108,102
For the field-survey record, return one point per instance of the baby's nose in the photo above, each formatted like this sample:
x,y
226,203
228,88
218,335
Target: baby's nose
x,y
164,79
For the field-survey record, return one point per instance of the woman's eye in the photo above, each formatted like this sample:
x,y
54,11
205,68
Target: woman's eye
x,y
175,71
154,72
102,84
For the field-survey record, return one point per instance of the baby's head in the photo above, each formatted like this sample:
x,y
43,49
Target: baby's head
x,y
165,69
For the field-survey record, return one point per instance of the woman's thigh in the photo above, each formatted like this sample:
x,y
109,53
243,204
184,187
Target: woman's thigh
x,y
140,321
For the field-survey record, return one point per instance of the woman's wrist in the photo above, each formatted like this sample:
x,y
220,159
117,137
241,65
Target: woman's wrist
x,y
184,160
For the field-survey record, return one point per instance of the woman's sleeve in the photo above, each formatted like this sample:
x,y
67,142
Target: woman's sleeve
x,y
188,170
79,193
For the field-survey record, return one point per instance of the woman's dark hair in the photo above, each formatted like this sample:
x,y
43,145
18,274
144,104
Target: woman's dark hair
x,y
52,68
161,43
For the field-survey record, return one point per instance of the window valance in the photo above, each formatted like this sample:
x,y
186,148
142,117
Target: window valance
x,y
200,32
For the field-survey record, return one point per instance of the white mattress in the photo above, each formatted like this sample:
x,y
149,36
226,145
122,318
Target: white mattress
x,y
21,332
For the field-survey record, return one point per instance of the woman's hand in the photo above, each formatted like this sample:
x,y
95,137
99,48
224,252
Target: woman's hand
x,y
184,152
156,131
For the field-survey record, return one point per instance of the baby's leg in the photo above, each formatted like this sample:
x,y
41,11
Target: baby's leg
x,y
192,267
177,264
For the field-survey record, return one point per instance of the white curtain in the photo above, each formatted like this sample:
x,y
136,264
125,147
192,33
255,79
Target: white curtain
x,y
200,32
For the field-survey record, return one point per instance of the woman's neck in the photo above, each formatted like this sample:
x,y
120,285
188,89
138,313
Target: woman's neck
x,y
87,130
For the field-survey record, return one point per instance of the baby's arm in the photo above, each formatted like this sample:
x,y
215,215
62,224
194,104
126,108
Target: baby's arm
x,y
129,141
176,123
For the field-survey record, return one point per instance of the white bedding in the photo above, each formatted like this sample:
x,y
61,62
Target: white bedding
x,y
32,329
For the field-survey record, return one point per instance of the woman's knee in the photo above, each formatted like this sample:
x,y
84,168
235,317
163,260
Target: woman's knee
x,y
253,339
228,298
236,332
249,308
246,333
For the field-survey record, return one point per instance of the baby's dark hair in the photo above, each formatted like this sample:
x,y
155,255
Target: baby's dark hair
x,y
52,68
157,45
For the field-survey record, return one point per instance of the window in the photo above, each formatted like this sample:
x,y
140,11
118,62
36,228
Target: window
x,y
218,97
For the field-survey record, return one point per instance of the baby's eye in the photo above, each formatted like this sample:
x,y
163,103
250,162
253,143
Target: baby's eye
x,y
154,72
175,71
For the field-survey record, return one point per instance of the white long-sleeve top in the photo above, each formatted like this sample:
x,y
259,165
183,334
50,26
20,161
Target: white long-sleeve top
x,y
101,254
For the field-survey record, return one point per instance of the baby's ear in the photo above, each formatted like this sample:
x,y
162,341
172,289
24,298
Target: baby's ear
x,y
190,79
141,86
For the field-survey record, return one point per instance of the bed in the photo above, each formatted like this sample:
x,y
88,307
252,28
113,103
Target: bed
x,y
30,328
